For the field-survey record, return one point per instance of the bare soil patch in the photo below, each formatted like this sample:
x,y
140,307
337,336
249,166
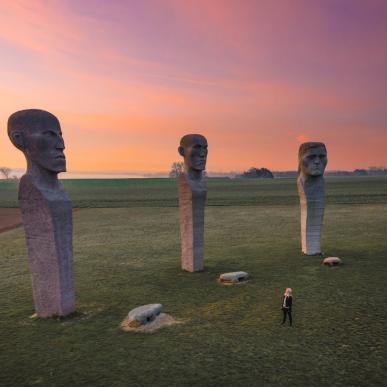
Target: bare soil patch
x,y
10,218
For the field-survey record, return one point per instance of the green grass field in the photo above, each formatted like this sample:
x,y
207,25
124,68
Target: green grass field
x,y
221,192
126,254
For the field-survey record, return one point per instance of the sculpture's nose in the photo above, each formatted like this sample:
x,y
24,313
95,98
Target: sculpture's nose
x,y
60,144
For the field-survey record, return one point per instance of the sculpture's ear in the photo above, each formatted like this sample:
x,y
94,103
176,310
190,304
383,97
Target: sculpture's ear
x,y
181,151
18,139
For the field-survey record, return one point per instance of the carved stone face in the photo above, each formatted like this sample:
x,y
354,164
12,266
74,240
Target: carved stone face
x,y
194,149
313,159
38,135
45,148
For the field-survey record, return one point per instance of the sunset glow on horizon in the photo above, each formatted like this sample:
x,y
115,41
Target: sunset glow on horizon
x,y
127,79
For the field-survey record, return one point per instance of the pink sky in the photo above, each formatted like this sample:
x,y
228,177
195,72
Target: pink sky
x,y
128,78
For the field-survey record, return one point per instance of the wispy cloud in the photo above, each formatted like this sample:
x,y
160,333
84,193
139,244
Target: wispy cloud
x,y
127,79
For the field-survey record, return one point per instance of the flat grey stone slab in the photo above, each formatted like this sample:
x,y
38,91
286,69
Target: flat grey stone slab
x,y
332,261
162,320
234,277
144,314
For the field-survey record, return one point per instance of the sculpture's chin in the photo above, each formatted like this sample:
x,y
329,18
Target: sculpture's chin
x,y
195,167
313,172
58,168
199,167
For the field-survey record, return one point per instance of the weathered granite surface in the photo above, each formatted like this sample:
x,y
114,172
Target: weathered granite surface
x,y
144,314
311,189
192,200
157,322
234,277
46,210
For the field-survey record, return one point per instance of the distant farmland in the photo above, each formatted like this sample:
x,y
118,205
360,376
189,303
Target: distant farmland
x,y
158,192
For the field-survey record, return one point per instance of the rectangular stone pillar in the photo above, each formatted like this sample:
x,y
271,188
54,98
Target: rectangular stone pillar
x,y
47,218
312,205
192,200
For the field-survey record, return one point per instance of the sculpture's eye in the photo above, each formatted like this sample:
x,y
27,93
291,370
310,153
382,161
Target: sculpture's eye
x,y
49,133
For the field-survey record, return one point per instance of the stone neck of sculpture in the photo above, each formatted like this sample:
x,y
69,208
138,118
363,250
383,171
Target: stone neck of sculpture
x,y
42,177
194,174
312,185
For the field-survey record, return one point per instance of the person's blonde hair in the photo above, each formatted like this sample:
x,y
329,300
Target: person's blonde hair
x,y
288,292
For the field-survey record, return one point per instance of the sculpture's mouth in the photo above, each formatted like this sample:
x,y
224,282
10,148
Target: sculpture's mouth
x,y
60,157
316,171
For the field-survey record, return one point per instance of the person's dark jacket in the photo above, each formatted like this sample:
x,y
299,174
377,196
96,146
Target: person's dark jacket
x,y
288,302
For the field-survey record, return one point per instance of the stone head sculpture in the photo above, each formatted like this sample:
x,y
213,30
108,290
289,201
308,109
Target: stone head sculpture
x,y
192,201
37,133
194,149
46,210
312,159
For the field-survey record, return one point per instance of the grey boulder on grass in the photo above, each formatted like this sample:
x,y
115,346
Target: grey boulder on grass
x,y
144,314
332,261
234,277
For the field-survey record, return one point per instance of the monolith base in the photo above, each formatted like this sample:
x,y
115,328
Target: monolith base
x,y
192,199
312,203
47,218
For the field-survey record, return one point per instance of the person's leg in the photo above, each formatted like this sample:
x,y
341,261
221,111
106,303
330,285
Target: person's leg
x,y
290,317
284,319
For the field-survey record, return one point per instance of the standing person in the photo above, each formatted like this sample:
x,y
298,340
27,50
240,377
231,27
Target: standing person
x,y
287,301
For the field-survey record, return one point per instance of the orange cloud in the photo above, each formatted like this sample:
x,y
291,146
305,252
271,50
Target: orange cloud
x,y
302,138
128,82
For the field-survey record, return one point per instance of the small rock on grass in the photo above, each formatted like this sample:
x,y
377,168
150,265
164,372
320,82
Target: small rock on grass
x,y
144,314
332,261
147,318
234,277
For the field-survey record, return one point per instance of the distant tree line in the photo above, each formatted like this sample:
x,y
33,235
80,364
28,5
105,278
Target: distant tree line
x,y
371,171
177,168
256,173
5,173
